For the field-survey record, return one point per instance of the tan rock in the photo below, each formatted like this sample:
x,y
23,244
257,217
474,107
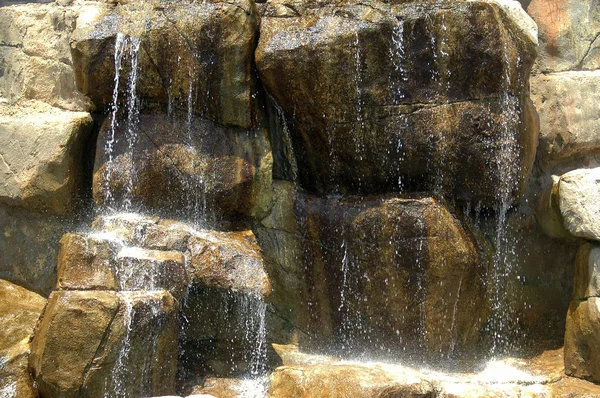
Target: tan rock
x,y
579,202
19,313
41,149
548,211
568,105
229,388
582,339
36,55
587,272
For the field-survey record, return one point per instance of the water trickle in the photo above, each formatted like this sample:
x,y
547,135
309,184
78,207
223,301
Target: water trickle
x,y
398,56
358,134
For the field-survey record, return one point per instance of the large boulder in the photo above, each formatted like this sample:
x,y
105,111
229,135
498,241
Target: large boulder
x,y
35,57
456,116
587,272
582,339
19,313
98,342
377,274
190,169
42,166
194,56
579,202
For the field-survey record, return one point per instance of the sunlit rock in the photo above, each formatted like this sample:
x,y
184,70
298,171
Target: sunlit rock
x,y
190,169
40,149
192,55
19,313
579,202
587,272
582,339
97,342
382,98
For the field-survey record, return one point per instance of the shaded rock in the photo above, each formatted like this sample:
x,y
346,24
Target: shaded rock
x,y
19,313
353,132
582,357
587,272
41,151
92,342
189,52
346,381
568,107
548,211
29,247
579,201
568,33
200,172
35,57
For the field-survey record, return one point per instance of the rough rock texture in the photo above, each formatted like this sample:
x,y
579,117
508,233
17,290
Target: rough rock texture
x,y
455,96
582,339
569,32
87,336
579,202
35,58
41,157
568,104
192,55
377,274
186,169
587,272
19,313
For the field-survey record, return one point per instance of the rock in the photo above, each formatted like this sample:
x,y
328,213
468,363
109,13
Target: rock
x,y
582,357
346,381
587,272
35,58
191,56
328,66
548,211
29,247
41,149
87,337
230,388
19,313
568,33
377,274
185,171
568,107
579,201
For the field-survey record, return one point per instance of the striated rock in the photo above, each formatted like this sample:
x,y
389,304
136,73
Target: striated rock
x,y
41,149
579,201
35,58
568,32
445,116
19,313
191,55
587,272
582,357
91,342
346,381
568,107
198,170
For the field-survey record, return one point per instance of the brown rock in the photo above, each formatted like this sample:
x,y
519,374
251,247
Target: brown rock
x,y
582,357
198,52
587,272
19,313
447,114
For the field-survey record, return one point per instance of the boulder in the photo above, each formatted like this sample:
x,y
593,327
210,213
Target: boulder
x,y
35,57
582,357
579,202
230,388
458,104
568,107
19,313
194,170
194,56
587,272
568,33
95,342
40,148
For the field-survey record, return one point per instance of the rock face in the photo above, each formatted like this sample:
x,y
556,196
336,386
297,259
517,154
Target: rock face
x,y
19,313
587,272
191,55
378,274
41,151
579,201
581,339
184,168
355,132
